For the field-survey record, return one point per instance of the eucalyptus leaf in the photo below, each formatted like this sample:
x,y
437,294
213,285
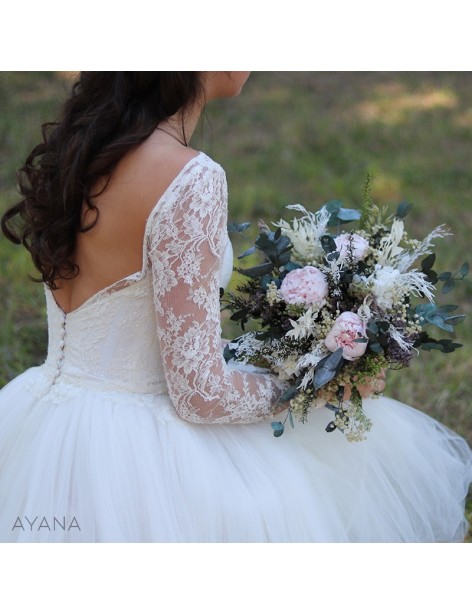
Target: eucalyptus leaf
x,y
248,252
447,346
403,209
257,271
425,309
289,394
440,322
432,277
447,308
291,266
428,262
233,227
332,256
332,407
445,276
228,353
322,376
430,345
456,319
264,240
333,206
376,347
464,270
448,286
334,360
328,244
328,368
265,281
448,349
278,428
372,327
348,215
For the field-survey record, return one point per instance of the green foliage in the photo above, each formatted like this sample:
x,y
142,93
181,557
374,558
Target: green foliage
x,y
439,316
403,210
328,368
276,249
450,280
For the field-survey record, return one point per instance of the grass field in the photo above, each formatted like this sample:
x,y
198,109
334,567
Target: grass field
x,y
296,138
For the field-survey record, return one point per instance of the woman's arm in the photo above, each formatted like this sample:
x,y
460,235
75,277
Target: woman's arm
x,y
186,251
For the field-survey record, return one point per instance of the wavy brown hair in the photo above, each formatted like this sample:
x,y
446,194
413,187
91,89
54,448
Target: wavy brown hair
x,y
107,114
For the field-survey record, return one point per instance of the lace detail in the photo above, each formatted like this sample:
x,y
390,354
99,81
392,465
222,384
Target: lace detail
x,y
187,240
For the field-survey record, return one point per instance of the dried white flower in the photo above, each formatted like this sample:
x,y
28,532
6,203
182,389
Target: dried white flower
x,y
305,234
408,258
304,326
389,286
389,246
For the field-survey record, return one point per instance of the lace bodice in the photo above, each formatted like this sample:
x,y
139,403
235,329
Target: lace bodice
x,y
158,331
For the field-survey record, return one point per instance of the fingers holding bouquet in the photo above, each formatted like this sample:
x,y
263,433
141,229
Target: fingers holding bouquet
x,y
369,388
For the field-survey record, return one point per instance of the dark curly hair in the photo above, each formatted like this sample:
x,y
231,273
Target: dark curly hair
x,y
107,115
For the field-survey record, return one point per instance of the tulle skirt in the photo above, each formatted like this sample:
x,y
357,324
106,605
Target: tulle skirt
x,y
84,466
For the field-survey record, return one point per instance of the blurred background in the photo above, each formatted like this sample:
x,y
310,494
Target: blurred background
x,y
295,137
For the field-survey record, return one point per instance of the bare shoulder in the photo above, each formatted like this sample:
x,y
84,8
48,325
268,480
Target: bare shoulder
x,y
144,174
135,187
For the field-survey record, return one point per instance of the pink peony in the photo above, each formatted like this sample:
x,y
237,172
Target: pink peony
x,y
347,244
306,286
346,329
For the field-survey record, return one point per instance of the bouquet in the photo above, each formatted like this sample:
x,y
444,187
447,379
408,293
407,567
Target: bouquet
x,y
335,307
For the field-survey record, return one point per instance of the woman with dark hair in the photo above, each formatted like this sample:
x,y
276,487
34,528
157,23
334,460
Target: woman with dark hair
x,y
134,429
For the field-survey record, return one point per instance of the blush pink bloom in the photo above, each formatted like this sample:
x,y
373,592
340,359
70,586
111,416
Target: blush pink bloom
x,y
307,286
347,328
352,243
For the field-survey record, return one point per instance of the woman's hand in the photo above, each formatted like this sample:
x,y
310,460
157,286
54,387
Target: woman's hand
x,y
376,385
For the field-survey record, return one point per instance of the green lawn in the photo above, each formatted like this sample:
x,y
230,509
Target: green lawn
x,y
296,138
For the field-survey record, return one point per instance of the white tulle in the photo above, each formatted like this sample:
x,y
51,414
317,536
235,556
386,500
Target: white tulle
x,y
135,430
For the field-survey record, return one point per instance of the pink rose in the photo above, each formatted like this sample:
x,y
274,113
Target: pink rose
x,y
347,328
306,286
347,244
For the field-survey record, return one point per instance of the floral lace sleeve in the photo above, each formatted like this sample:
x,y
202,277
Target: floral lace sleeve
x,y
187,242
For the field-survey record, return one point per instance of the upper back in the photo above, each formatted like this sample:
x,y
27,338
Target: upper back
x,y
113,248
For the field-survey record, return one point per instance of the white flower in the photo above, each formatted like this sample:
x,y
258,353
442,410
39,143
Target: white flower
x,y
287,368
389,286
305,234
397,336
272,293
384,286
406,260
389,246
364,311
351,245
303,327
311,359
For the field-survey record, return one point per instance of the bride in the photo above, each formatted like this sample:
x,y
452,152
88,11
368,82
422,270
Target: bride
x,y
134,429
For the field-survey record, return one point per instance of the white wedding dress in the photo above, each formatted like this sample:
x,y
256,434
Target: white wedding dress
x,y
135,429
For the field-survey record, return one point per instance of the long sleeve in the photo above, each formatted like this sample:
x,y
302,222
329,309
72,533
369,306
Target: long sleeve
x,y
187,243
